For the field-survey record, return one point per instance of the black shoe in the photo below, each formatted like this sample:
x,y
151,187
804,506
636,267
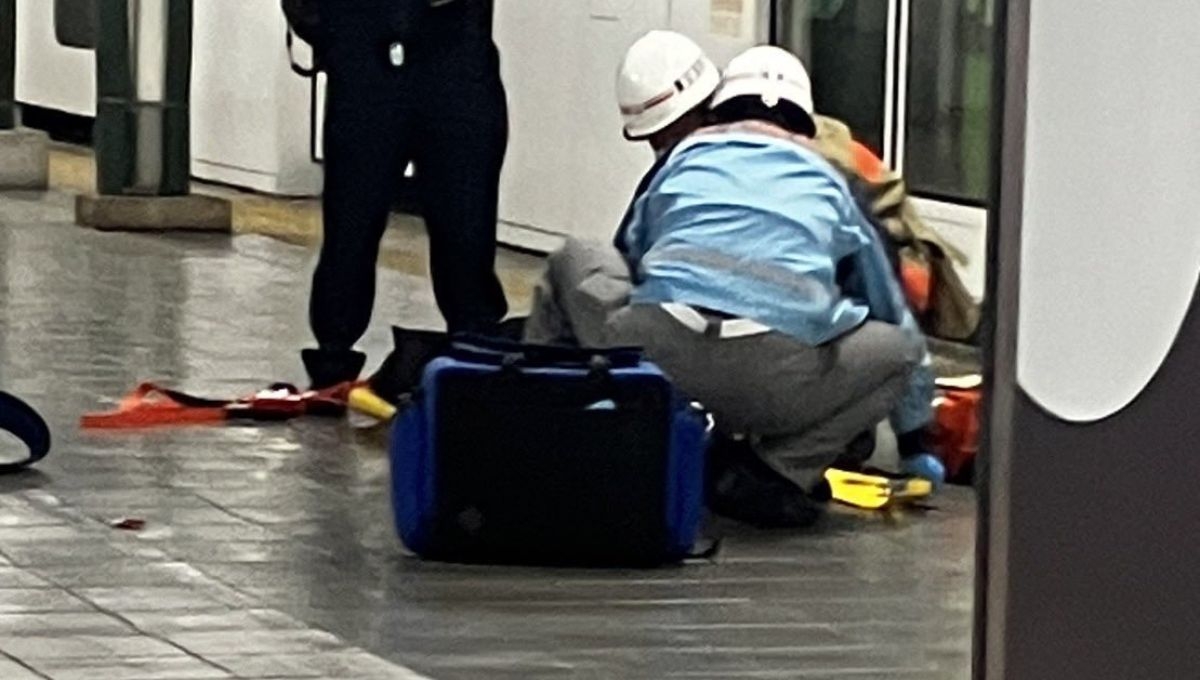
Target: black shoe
x,y
327,368
744,488
401,371
512,330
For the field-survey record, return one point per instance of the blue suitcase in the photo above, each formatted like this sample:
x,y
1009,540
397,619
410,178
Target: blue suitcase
x,y
536,455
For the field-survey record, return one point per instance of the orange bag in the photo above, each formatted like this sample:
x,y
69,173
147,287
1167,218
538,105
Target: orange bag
x,y
956,430
869,166
918,284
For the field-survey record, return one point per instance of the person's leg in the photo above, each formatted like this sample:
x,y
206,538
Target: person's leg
x,y
460,150
584,283
365,136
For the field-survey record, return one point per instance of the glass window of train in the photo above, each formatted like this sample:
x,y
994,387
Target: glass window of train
x,y
947,113
844,43
75,23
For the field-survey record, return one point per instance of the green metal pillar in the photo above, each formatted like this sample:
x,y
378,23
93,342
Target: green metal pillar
x,y
8,58
143,78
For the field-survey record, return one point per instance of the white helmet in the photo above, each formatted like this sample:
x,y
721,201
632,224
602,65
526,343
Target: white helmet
x,y
663,76
771,73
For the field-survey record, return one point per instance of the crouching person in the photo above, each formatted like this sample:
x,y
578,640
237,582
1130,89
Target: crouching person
x,y
759,287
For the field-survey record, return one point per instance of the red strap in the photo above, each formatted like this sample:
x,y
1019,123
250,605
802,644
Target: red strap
x,y
284,402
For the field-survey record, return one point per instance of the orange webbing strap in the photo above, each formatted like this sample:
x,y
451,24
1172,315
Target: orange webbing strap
x,y
153,406
150,406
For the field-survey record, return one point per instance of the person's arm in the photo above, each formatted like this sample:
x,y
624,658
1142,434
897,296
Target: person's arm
x,y
642,187
623,230
871,276
878,287
634,236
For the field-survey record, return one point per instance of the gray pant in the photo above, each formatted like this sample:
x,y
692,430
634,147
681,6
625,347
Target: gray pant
x,y
800,405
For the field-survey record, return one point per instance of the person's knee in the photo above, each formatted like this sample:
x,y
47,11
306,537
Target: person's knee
x,y
574,253
895,350
558,260
583,264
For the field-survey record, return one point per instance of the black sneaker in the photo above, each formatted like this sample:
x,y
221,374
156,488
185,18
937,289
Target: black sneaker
x,y
328,368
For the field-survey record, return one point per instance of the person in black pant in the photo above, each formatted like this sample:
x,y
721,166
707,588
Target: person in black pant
x,y
408,80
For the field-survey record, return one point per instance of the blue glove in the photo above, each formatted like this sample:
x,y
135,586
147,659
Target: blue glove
x,y
925,466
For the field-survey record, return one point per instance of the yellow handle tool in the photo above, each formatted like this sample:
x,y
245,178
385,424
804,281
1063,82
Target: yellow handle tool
x,y
873,492
362,400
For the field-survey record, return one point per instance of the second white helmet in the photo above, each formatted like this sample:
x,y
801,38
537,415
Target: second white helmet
x,y
663,76
770,73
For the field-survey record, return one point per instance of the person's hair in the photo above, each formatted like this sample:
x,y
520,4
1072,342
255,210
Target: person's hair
x,y
700,110
671,134
785,114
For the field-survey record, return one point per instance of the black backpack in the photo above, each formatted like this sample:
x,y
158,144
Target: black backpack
x,y
304,21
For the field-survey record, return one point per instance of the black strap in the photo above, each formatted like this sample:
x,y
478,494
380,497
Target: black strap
x,y
302,71
27,425
500,352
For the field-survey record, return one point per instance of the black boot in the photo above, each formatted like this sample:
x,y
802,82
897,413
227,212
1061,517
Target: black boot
x,y
512,329
401,371
327,368
744,488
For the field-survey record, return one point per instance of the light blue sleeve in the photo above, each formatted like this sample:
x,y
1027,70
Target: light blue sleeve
x,y
885,299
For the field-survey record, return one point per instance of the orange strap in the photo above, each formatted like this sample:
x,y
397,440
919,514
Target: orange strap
x,y
150,405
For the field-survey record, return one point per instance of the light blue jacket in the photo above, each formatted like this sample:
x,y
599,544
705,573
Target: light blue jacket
x,y
756,226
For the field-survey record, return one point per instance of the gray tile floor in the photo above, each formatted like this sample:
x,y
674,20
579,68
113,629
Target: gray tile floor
x,y
269,552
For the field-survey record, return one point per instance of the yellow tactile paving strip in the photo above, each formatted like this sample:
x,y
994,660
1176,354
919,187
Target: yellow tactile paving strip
x,y
298,221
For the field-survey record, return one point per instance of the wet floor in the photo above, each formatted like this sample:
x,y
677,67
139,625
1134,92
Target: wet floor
x,y
268,552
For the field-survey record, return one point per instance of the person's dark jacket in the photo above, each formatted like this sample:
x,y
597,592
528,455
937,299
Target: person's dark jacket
x,y
643,185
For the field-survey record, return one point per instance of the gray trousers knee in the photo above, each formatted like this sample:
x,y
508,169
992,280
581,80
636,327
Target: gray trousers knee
x,y
584,284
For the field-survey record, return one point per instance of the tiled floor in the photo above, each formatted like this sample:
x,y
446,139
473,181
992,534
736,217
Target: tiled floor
x,y
268,552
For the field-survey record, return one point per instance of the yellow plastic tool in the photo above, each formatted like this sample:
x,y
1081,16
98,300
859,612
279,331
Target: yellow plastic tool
x,y
363,400
873,492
